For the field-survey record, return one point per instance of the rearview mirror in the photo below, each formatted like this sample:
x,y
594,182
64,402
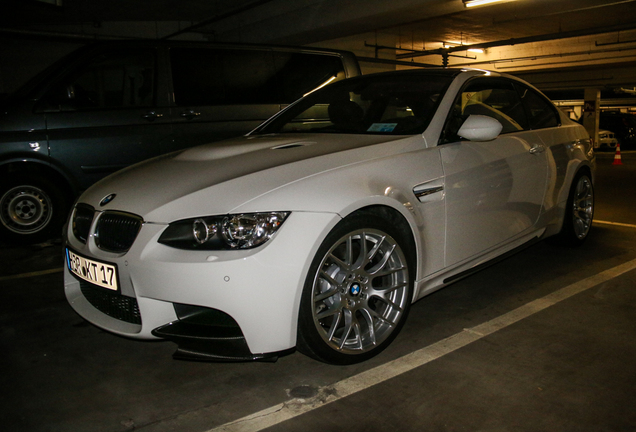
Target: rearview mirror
x,y
480,128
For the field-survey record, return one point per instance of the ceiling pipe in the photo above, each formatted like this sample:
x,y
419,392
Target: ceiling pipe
x,y
547,56
395,62
590,62
519,41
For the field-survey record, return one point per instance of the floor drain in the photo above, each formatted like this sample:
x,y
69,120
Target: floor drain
x,y
303,392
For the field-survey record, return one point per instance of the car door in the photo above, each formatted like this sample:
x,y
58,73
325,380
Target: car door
x,y
105,114
494,190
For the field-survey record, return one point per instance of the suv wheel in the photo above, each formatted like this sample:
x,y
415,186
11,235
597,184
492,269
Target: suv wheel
x,y
31,209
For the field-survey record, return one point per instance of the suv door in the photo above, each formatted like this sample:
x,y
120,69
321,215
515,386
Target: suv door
x,y
106,114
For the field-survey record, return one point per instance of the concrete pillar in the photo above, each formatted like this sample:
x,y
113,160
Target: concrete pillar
x,y
591,111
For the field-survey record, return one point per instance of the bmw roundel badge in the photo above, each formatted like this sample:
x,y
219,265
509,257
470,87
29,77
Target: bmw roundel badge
x,y
107,199
355,289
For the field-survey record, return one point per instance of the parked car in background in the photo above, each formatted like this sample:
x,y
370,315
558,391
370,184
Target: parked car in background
x,y
607,140
112,104
317,230
623,125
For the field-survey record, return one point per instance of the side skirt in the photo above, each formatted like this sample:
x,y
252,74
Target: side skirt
x,y
491,262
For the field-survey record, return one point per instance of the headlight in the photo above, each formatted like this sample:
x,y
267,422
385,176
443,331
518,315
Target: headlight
x,y
239,231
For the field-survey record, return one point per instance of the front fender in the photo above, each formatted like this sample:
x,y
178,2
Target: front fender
x,y
385,182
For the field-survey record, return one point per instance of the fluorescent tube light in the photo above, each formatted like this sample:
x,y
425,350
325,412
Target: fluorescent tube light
x,y
473,3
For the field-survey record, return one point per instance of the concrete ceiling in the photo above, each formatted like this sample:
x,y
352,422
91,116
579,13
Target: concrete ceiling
x,y
548,40
308,21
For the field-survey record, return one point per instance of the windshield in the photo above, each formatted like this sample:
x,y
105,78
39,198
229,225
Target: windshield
x,y
390,104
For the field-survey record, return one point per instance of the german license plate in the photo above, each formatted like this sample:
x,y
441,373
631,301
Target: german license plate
x,y
95,272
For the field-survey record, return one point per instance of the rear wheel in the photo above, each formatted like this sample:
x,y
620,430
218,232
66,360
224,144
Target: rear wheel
x,y
358,292
32,209
579,212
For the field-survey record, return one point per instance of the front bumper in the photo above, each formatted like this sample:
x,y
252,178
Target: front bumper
x,y
258,289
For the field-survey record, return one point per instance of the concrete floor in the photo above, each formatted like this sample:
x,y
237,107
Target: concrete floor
x,y
567,367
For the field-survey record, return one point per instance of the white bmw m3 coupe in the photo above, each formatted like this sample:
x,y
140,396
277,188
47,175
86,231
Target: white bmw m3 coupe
x,y
318,230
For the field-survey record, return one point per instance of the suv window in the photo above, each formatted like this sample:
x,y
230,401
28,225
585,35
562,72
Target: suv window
x,y
111,80
203,76
298,74
541,113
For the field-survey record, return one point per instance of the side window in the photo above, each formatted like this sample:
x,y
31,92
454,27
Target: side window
x,y
111,80
300,73
492,97
541,112
203,76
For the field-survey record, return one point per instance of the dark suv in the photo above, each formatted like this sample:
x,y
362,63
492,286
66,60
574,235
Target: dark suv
x,y
112,104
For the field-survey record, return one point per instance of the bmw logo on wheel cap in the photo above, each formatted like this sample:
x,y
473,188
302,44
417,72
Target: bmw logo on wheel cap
x,y
107,199
355,289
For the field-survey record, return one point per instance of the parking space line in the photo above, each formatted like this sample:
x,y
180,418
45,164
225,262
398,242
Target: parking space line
x,y
31,274
614,223
326,395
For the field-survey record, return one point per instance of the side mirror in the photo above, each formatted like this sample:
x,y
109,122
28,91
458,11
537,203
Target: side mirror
x,y
480,128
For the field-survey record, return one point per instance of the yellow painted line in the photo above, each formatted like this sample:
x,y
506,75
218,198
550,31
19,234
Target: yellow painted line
x,y
32,274
295,407
614,223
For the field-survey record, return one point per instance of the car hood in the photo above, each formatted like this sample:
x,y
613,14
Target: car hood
x,y
218,177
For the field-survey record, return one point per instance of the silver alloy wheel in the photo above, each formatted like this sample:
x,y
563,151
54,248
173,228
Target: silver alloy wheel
x,y
360,292
25,209
583,207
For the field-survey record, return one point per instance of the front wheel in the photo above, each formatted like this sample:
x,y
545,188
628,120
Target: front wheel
x,y
358,292
31,209
579,212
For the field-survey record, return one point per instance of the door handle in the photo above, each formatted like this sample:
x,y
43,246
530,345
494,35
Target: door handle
x,y
537,148
151,115
190,114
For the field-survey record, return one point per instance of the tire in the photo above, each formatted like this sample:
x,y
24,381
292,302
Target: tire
x,y
579,212
32,210
357,294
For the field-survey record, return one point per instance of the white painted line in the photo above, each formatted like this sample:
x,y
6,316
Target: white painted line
x,y
295,407
614,223
32,274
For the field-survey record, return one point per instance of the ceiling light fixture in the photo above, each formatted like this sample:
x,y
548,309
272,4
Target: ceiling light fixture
x,y
473,3
461,44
